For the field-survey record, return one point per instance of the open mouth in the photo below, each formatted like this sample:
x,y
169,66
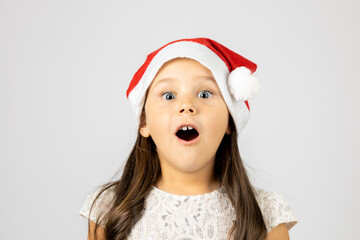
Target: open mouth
x,y
187,135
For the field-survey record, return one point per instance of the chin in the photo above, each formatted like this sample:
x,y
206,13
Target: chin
x,y
190,167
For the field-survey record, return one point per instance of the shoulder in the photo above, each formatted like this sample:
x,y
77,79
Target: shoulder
x,y
101,205
275,209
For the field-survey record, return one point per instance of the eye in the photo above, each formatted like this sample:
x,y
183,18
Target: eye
x,y
205,94
168,95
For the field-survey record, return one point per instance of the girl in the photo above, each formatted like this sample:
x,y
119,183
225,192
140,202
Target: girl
x,y
184,178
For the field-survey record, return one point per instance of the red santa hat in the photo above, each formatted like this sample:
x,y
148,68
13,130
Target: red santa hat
x,y
232,72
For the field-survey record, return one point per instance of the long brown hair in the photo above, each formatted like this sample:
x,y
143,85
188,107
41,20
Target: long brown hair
x,y
142,170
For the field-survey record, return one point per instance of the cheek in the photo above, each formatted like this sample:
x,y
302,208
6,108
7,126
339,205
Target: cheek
x,y
218,117
158,121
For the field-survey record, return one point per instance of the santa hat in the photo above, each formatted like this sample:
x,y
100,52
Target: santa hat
x,y
232,72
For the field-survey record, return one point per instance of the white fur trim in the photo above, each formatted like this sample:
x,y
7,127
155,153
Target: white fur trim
x,y
242,84
206,57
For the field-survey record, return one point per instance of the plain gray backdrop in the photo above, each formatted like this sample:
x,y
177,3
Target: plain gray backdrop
x,y
66,125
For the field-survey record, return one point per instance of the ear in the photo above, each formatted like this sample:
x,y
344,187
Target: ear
x,y
228,130
144,131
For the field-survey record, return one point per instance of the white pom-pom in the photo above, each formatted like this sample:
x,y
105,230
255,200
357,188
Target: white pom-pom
x,y
242,84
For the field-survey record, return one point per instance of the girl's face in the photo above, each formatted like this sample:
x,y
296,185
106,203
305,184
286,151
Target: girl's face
x,y
185,92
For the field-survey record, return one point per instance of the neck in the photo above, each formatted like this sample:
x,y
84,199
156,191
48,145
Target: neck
x,y
186,186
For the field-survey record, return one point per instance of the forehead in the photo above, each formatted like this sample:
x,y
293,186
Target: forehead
x,y
177,68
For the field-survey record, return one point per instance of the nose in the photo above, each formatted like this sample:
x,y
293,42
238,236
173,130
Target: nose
x,y
187,107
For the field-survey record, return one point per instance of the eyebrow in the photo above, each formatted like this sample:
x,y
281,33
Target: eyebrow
x,y
199,77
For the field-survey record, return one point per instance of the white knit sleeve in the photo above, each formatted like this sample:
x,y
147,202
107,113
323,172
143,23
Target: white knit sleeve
x,y
275,210
102,205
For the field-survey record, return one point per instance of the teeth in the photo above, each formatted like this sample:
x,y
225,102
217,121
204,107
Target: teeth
x,y
186,128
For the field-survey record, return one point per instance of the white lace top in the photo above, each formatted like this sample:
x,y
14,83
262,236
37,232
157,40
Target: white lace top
x,y
204,216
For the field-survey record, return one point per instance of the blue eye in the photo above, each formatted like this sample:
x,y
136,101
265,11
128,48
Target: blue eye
x,y
207,93
167,94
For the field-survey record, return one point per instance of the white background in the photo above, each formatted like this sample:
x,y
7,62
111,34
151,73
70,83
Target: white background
x,y
66,124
